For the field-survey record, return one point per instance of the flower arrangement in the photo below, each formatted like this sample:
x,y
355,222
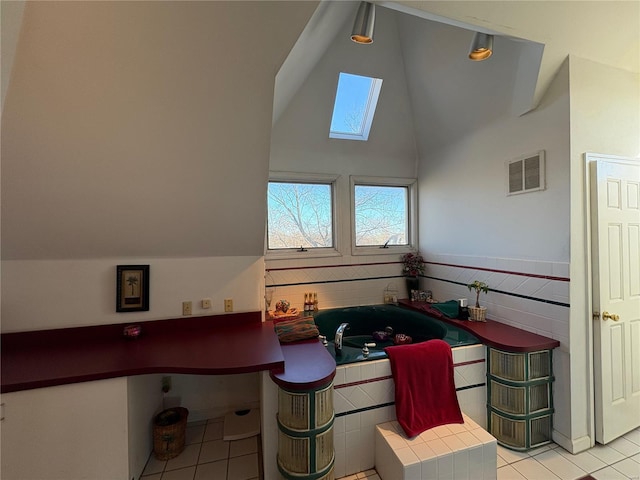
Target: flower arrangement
x,y
478,286
412,264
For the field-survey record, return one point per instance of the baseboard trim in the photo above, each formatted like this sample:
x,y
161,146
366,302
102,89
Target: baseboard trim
x,y
572,445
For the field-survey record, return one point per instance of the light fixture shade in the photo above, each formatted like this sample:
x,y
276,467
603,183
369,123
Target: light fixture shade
x,y
481,47
363,25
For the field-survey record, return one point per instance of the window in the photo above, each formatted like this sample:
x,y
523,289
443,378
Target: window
x,y
383,214
354,107
300,214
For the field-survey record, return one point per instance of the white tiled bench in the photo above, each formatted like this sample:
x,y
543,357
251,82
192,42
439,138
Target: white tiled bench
x,y
456,451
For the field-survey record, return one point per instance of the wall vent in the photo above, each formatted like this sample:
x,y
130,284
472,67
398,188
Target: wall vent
x,y
525,174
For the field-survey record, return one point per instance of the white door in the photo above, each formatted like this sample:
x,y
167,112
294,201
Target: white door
x,y
615,221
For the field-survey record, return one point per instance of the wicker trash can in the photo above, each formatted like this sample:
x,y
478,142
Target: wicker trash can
x,y
169,430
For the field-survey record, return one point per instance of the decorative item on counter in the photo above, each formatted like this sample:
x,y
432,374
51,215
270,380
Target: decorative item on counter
x,y
268,297
380,336
412,268
463,309
402,339
478,313
383,336
449,309
132,331
296,329
282,306
391,294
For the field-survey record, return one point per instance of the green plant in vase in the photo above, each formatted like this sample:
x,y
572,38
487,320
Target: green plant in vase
x,y
478,313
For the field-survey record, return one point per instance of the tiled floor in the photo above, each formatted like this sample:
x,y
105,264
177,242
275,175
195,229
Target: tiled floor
x,y
619,460
207,457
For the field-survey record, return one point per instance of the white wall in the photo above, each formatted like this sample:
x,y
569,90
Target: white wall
x,y
300,139
301,143
138,133
605,118
128,128
144,397
41,294
464,209
77,431
518,244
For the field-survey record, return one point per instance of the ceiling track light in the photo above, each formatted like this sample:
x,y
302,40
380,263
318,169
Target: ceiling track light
x,y
481,47
363,25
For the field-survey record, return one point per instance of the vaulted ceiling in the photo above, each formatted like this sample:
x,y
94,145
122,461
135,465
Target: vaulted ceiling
x,y
451,95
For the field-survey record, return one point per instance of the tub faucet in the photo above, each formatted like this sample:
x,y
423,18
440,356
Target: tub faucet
x,y
338,340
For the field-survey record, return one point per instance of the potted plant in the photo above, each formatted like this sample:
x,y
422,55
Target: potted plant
x,y
478,313
412,267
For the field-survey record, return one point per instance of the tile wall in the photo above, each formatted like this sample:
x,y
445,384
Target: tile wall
x,y
364,397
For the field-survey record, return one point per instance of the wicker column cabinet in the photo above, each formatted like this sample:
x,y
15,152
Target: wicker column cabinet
x,y
520,397
305,437
305,412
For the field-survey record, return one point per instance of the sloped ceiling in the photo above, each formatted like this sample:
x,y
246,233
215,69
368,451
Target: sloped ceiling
x,y
451,95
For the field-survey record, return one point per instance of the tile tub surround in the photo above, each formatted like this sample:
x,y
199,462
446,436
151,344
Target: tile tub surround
x,y
364,397
461,451
618,460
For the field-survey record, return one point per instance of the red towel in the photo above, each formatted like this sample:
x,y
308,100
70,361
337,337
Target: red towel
x,y
424,388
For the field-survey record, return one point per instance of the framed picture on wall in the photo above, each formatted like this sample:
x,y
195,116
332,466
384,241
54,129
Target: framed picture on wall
x,y
132,291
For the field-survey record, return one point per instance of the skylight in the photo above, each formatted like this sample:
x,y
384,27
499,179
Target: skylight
x,y
356,100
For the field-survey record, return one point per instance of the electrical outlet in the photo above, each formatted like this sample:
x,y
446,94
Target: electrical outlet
x,y
228,305
206,303
186,308
166,384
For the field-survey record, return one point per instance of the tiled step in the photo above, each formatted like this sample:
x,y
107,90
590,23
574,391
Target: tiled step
x,y
461,451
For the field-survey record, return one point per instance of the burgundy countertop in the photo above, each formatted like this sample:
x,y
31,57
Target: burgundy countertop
x,y
213,345
307,366
491,333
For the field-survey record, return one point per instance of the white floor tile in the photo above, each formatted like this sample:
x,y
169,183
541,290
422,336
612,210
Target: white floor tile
x,y
214,431
194,434
624,446
154,466
584,460
608,473
243,468
209,471
559,465
536,451
245,446
509,473
634,436
531,469
628,467
214,451
607,454
511,456
181,474
155,476
368,475
187,458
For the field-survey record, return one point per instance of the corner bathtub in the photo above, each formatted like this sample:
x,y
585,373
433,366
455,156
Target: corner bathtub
x,y
364,320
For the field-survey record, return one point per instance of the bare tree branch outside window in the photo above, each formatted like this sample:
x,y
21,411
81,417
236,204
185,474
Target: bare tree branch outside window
x,y
299,215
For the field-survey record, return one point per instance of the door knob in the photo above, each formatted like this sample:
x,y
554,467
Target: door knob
x,y
612,316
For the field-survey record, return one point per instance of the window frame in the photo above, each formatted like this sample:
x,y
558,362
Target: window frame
x,y
313,252
412,214
370,111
